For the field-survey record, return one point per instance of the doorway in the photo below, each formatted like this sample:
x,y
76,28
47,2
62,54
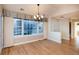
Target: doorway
x,y
76,33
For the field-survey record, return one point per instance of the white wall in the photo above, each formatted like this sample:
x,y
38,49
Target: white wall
x,y
10,40
61,25
8,31
1,30
54,30
64,28
45,30
1,34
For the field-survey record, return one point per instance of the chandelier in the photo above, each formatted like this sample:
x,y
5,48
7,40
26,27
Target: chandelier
x,y
38,16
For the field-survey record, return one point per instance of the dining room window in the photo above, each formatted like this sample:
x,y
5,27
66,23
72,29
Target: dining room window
x,y
17,27
27,27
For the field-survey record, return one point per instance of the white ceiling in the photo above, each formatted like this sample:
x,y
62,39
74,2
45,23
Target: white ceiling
x,y
48,10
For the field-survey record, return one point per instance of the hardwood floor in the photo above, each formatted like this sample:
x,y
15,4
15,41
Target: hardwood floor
x,y
43,47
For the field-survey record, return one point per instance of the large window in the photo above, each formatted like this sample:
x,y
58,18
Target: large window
x,y
27,27
17,27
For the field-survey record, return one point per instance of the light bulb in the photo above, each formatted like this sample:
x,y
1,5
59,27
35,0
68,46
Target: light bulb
x,y
34,17
37,15
42,16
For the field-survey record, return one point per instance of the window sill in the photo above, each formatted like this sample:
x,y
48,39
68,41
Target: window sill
x,y
27,35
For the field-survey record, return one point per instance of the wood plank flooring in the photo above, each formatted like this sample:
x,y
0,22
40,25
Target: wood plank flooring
x,y
42,47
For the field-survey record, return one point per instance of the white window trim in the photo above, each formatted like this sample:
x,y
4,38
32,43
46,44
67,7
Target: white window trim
x,y
36,34
22,27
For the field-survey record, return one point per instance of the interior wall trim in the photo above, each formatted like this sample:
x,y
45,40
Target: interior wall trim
x,y
18,15
28,42
13,14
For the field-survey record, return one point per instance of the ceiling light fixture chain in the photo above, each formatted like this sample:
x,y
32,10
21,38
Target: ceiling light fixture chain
x,y
38,8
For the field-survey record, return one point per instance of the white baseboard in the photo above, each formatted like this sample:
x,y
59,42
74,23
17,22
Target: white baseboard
x,y
27,42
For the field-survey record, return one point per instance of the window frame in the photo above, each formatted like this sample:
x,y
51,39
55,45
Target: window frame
x,y
22,34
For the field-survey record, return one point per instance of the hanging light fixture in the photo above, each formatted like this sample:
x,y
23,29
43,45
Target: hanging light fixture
x,y
38,16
